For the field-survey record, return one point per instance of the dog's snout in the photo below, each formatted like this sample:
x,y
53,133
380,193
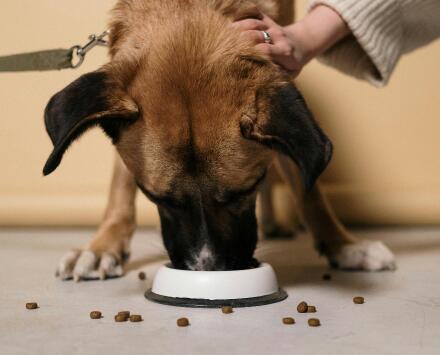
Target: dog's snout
x,y
202,238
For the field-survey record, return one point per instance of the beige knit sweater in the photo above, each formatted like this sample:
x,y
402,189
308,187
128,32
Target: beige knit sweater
x,y
383,30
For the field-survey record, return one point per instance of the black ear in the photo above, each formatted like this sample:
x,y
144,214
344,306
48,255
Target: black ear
x,y
90,100
283,122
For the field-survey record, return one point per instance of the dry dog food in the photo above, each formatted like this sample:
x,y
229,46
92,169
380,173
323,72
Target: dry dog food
x,y
302,307
119,318
327,277
314,322
95,315
183,322
31,305
142,276
288,320
311,309
358,300
125,314
135,318
227,309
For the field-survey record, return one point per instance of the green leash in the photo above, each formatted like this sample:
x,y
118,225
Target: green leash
x,y
53,59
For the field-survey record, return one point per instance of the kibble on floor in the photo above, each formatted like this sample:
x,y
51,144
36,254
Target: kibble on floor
x,y
142,276
95,315
311,309
183,322
119,318
136,318
302,307
227,310
288,320
358,300
125,314
32,305
314,322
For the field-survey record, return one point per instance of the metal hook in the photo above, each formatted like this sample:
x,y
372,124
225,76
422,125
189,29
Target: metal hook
x,y
81,51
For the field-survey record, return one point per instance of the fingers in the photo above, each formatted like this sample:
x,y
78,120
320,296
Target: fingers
x,y
250,24
252,29
275,50
282,56
281,49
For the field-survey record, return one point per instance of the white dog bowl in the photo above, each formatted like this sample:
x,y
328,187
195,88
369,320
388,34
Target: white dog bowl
x,y
241,288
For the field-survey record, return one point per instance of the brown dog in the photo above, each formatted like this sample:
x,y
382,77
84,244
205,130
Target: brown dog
x,y
197,116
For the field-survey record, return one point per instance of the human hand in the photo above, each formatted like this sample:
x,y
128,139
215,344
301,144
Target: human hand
x,y
285,48
295,45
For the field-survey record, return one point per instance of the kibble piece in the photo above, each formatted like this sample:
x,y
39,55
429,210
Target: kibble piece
x,y
358,300
95,315
302,307
183,322
142,276
288,320
120,318
135,318
327,277
314,322
311,309
227,309
125,314
32,305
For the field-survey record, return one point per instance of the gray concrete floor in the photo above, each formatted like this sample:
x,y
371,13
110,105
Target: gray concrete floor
x,y
401,314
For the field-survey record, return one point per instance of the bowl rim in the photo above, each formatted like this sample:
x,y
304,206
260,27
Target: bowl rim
x,y
275,297
261,265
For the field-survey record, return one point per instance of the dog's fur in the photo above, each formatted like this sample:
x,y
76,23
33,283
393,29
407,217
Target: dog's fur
x,y
197,116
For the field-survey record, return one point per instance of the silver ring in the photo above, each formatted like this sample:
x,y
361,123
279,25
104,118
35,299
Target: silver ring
x,y
267,37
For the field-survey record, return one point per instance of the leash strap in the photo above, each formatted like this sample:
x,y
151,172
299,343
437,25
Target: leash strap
x,y
53,59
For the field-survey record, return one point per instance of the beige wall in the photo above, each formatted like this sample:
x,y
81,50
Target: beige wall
x,y
386,166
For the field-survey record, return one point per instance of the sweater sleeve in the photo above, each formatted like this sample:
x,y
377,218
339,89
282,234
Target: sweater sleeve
x,y
382,30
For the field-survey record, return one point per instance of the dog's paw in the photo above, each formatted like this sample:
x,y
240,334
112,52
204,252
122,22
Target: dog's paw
x,y
364,255
88,265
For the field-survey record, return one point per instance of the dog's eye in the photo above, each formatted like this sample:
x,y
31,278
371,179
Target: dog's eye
x,y
161,200
239,195
235,197
168,202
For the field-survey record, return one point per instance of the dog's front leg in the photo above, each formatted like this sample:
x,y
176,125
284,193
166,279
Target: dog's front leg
x,y
269,226
342,249
332,239
105,254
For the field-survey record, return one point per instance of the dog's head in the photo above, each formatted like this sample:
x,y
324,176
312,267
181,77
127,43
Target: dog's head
x,y
197,126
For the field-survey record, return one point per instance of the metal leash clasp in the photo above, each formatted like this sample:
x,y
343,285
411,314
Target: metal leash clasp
x,y
81,51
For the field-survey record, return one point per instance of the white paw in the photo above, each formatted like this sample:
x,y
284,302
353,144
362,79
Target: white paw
x,y
365,255
86,265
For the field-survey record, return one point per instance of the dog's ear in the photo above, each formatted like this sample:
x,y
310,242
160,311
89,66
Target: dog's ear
x,y
282,121
93,99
